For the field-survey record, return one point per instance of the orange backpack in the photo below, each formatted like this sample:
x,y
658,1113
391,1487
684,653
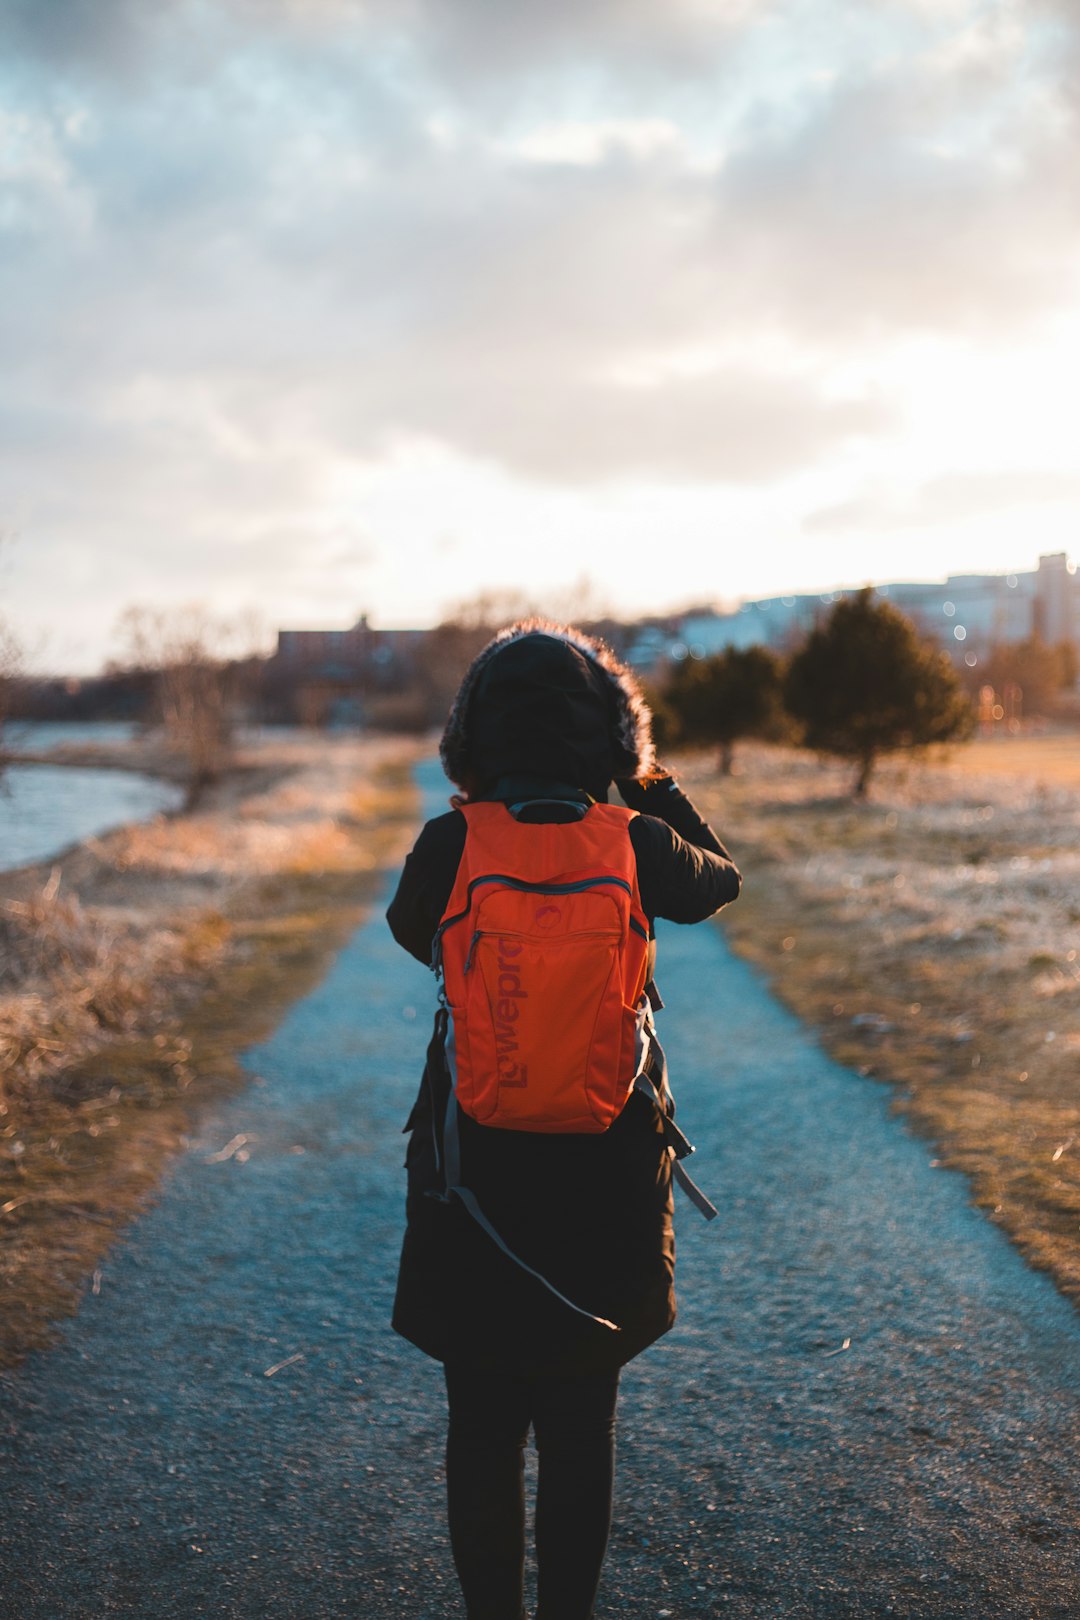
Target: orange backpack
x,y
543,950
544,1025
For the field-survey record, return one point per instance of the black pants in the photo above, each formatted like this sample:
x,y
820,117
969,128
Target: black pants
x,y
574,1424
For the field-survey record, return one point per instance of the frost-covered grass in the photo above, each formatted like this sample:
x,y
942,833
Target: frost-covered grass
x,y
135,968
933,936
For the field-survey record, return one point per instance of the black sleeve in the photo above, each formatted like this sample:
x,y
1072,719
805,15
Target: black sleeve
x,y
684,871
425,885
665,799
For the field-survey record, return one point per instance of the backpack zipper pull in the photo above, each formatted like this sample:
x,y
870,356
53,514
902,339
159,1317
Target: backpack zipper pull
x,y
472,950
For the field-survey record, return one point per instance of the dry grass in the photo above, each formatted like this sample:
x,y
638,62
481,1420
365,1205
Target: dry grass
x,y
70,982
134,971
932,935
1052,759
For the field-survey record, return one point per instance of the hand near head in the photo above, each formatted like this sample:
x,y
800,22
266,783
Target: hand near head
x,y
647,794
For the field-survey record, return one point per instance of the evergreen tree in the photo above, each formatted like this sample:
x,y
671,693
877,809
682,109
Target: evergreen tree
x,y
736,693
864,684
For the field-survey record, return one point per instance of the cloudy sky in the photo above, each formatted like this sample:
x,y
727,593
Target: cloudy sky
x,y
329,306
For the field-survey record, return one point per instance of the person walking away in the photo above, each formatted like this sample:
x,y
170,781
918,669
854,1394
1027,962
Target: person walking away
x,y
538,1255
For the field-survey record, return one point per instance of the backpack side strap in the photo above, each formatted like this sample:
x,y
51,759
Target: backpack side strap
x,y
678,1145
450,1159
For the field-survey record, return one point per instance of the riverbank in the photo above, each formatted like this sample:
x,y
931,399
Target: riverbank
x,y
136,966
47,807
932,938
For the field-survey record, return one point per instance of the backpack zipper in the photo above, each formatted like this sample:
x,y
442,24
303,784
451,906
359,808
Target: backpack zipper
x,y
515,933
530,888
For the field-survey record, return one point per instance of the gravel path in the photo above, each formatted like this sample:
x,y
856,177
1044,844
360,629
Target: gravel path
x,y
153,1466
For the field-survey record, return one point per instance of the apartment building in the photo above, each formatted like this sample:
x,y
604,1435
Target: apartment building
x,y
967,613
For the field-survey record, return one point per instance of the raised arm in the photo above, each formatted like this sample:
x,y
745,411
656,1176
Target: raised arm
x,y
684,871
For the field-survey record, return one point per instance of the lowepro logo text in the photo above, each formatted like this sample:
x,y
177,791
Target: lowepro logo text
x,y
510,993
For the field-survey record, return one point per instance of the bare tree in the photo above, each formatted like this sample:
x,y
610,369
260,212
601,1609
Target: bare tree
x,y
199,663
12,659
1039,672
489,610
579,603
10,668
445,652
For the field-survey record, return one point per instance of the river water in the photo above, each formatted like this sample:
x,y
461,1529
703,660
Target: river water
x,y
44,808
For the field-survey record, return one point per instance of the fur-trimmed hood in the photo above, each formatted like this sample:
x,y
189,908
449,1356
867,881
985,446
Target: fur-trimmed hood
x,y
548,700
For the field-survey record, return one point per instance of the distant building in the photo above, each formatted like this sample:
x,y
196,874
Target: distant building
x,y
331,676
967,613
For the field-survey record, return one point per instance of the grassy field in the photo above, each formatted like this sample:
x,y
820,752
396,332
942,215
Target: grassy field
x,y
1053,760
932,936
135,968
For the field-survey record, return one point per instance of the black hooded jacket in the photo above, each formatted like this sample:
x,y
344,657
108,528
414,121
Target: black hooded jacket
x,y
592,1213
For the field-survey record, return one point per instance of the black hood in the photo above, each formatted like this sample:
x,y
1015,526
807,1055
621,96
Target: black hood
x,y
545,700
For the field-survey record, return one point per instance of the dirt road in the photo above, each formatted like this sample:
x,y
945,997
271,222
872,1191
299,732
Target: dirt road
x,y
869,1405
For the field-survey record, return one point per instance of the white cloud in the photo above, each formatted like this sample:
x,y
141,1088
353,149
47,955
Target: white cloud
x,y
946,499
585,145
581,248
